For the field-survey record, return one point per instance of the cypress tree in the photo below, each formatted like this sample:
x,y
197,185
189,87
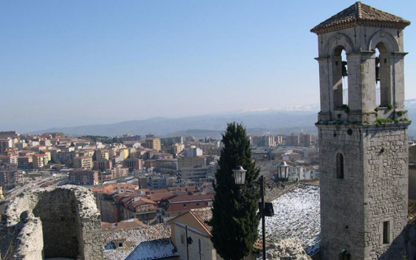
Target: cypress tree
x,y
234,215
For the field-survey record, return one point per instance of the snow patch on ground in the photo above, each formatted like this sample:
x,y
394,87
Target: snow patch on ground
x,y
297,214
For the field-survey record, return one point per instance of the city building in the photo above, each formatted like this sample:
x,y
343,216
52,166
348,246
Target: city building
x,y
191,162
156,182
153,143
83,177
119,172
193,151
39,160
102,154
197,174
293,140
133,164
9,178
192,224
103,165
183,203
83,162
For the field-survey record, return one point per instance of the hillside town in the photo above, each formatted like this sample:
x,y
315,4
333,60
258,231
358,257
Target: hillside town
x,y
140,182
347,193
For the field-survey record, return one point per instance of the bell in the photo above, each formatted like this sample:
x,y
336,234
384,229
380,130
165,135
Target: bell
x,y
377,69
344,69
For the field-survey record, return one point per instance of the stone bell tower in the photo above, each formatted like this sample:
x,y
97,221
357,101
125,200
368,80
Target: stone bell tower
x,y
363,133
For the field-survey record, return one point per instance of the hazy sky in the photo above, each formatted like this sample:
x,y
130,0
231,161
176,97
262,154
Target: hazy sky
x,y
67,63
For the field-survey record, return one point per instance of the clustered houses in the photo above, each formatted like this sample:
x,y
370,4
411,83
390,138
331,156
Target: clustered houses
x,y
95,160
118,202
305,140
156,163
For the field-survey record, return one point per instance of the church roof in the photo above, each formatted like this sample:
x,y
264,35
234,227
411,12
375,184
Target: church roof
x,y
360,14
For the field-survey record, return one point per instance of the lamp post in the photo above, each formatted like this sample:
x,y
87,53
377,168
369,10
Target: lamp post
x,y
283,171
239,178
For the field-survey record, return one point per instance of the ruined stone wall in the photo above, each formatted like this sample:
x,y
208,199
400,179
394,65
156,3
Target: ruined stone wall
x,y
57,209
57,222
108,211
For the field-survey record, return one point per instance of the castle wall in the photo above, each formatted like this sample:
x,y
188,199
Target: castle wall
x,y
57,222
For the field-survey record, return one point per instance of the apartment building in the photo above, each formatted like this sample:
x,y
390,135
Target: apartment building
x,y
83,162
83,177
153,143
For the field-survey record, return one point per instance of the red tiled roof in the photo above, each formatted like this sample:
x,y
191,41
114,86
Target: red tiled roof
x,y
158,191
131,223
203,215
360,14
161,196
142,201
192,197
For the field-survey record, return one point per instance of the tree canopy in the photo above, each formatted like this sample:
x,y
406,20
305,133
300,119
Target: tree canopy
x,y
235,220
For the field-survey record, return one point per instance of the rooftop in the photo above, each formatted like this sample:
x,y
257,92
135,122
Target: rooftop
x,y
360,14
155,249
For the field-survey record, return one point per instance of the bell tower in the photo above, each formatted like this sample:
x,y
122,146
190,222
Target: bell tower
x,y
363,132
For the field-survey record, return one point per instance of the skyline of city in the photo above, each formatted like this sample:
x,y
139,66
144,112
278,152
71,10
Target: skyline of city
x,y
101,62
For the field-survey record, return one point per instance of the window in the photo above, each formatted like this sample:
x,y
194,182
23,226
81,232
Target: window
x,y
200,247
185,205
340,166
198,204
182,239
386,232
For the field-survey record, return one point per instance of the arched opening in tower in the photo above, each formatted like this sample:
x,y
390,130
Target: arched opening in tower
x,y
344,71
383,76
340,77
377,64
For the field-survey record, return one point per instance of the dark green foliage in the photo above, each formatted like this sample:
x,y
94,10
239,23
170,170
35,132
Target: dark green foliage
x,y
400,113
346,108
390,106
384,121
234,220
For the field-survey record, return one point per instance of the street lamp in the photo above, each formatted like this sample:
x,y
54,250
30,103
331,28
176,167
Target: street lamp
x,y
283,171
239,178
239,175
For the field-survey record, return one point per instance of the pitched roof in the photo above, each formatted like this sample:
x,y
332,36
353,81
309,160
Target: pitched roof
x,y
161,196
155,249
189,198
127,224
203,215
360,14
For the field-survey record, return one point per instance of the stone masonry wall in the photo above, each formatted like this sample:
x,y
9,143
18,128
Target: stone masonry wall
x,y
342,210
373,190
385,185
65,217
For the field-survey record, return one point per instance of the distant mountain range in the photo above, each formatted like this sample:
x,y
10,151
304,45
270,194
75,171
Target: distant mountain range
x,y
268,121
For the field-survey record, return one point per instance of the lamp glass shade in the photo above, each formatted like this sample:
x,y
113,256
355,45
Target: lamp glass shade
x,y
239,175
283,170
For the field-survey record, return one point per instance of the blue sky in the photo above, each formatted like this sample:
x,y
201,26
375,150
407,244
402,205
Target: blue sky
x,y
67,63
